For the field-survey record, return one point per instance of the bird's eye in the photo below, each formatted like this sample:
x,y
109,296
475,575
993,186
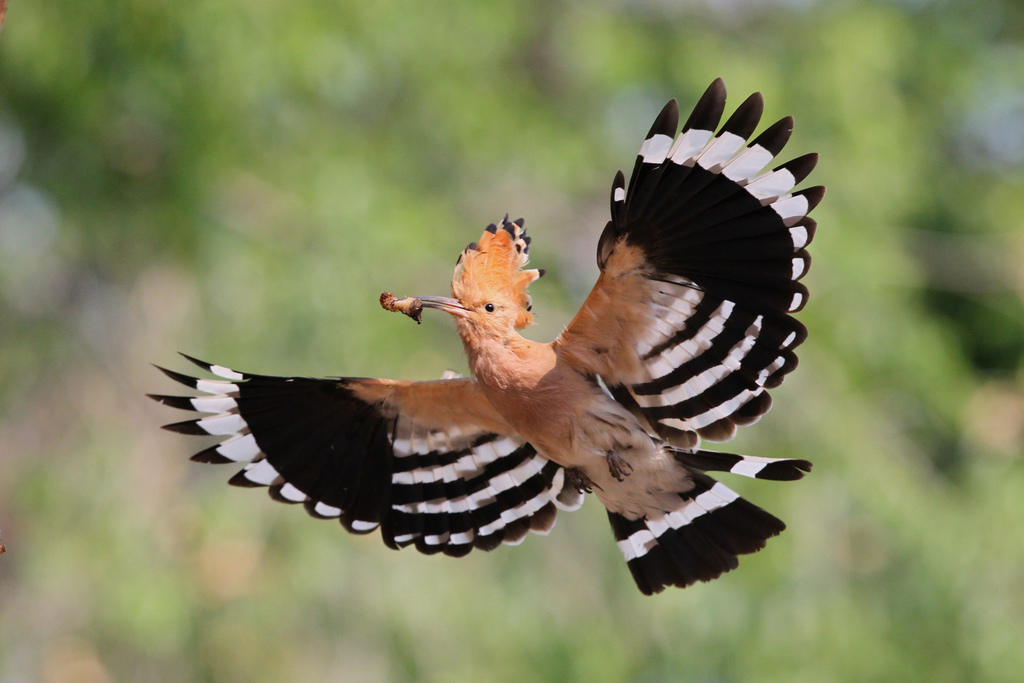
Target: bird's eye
x,y
489,308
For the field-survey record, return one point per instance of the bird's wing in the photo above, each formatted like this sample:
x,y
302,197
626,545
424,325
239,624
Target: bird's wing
x,y
689,322
430,463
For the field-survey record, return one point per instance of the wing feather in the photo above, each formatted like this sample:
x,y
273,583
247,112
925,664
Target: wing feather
x,y
430,463
689,323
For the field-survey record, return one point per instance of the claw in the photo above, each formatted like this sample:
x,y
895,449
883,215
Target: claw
x,y
579,481
618,467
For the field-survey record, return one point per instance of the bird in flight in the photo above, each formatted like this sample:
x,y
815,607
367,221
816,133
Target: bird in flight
x,y
688,326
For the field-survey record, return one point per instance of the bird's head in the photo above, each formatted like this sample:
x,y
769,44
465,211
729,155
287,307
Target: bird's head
x,y
489,284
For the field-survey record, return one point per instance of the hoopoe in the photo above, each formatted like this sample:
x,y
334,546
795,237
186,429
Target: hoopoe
x,y
687,328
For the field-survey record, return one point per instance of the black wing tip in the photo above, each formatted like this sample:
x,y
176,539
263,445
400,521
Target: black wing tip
x,y
190,427
240,480
785,470
801,166
427,548
800,297
274,491
178,377
746,117
806,257
195,361
210,456
310,506
774,137
718,431
708,111
180,402
667,120
753,410
460,550
813,195
810,225
490,541
348,522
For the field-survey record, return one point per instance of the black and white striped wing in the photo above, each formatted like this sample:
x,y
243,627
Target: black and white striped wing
x,y
689,323
427,462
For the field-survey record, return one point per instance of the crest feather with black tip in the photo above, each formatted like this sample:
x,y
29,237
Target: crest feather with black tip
x,y
491,270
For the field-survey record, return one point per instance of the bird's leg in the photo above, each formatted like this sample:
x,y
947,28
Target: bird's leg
x,y
617,465
579,481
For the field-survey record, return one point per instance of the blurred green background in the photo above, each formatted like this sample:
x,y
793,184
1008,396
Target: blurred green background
x,y
239,180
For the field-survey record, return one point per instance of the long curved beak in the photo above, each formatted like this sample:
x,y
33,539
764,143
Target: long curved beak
x,y
446,304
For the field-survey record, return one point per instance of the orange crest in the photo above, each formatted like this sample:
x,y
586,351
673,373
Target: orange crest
x,y
491,270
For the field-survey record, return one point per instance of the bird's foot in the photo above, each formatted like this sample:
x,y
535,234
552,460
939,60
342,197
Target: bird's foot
x,y
579,481
618,467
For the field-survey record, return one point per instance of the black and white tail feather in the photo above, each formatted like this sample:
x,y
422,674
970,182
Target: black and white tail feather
x,y
712,525
697,541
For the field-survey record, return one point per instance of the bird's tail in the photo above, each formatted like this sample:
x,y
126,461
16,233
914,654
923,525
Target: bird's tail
x,y
701,538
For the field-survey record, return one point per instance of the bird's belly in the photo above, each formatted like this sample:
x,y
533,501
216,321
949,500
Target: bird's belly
x,y
585,438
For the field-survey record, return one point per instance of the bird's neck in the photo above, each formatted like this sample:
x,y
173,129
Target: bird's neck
x,y
506,361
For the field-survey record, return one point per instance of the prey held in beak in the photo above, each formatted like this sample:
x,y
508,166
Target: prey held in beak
x,y
413,306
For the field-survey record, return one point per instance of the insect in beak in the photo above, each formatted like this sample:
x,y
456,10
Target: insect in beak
x,y
413,306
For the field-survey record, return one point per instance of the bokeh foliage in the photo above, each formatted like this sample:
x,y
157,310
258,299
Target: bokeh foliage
x,y
239,180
